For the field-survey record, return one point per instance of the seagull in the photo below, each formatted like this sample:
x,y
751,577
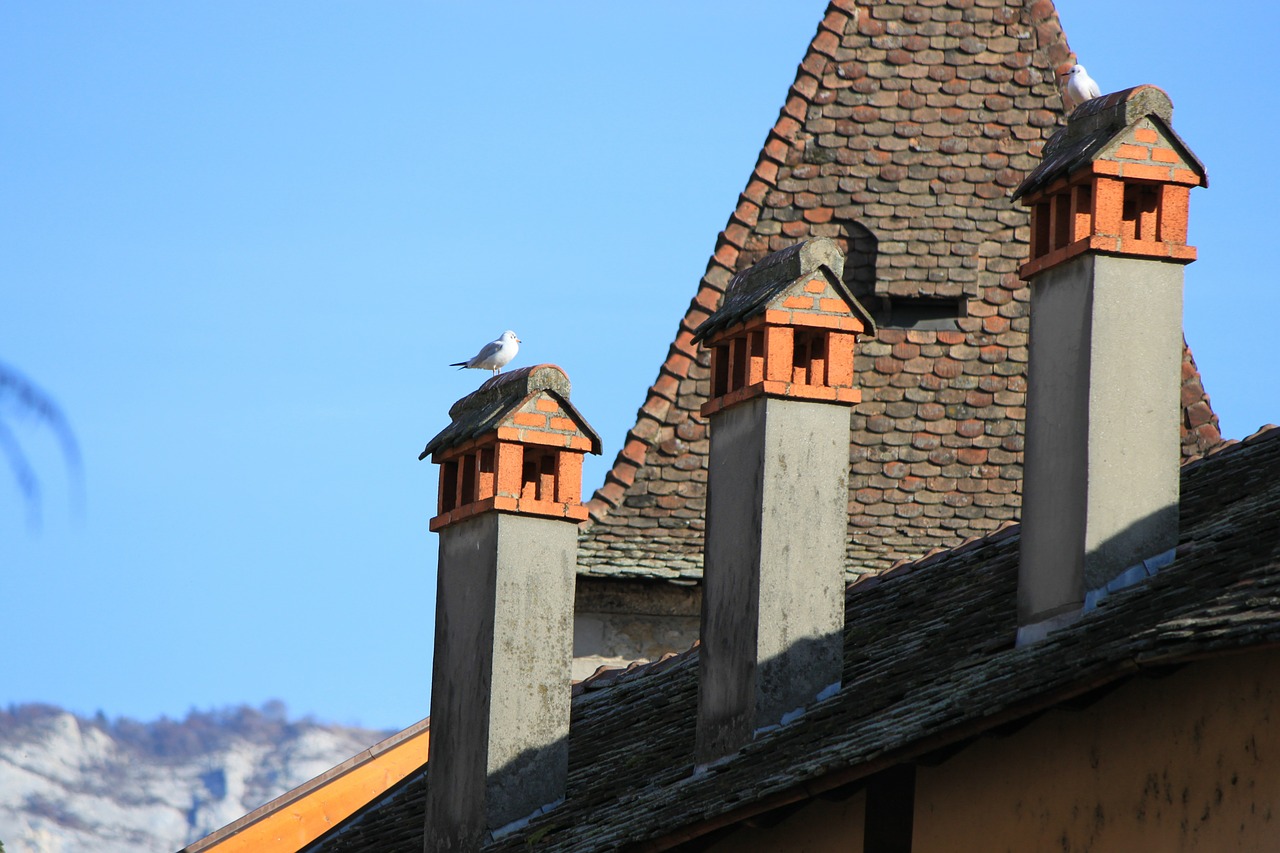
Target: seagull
x,y
494,355
1080,88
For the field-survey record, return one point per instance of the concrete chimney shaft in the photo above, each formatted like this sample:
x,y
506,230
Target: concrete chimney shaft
x,y
778,489
500,690
1101,466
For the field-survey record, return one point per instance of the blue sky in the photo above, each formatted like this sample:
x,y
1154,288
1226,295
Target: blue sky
x,y
240,242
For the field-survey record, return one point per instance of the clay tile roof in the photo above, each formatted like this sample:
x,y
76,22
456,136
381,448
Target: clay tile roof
x,y
485,408
902,138
930,664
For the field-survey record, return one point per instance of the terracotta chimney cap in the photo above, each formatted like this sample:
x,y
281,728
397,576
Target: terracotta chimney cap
x,y
751,290
1097,122
485,408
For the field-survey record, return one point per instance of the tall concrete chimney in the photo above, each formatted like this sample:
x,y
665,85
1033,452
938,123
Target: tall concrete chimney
x,y
1108,245
778,492
510,499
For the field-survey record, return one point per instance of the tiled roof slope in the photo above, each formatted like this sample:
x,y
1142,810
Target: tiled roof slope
x,y
909,124
930,663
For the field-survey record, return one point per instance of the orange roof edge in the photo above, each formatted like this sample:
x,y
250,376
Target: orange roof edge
x,y
302,815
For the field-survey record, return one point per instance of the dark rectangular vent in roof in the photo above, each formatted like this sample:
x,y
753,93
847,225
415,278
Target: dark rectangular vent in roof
x,y
904,312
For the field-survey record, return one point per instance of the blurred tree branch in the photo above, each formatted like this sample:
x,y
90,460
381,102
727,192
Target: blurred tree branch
x,y
20,398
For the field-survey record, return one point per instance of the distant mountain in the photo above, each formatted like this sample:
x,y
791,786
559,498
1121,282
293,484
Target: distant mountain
x,y
75,785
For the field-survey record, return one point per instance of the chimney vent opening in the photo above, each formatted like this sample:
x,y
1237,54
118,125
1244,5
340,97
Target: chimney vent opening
x,y
449,485
809,357
538,478
738,362
469,492
721,381
487,486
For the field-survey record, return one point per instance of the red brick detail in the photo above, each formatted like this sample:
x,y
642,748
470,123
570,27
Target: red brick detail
x,y
495,472
510,464
1133,152
1108,206
569,478
539,437
1111,246
1145,172
518,506
564,424
1174,209
840,358
821,321
1132,209
842,396
1146,134
1141,172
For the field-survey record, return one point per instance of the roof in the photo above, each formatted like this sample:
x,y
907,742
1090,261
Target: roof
x,y
484,409
902,137
751,290
930,663
1094,124
302,815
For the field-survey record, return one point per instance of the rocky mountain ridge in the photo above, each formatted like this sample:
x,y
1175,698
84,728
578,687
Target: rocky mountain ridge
x,y
70,784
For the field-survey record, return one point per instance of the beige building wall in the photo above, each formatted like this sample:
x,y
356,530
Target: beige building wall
x,y
1187,762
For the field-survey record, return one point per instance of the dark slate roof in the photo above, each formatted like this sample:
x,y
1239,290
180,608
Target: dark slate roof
x,y
751,291
485,408
930,663
907,127
1095,123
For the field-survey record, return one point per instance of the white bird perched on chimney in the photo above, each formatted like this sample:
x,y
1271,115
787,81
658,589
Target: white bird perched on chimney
x,y
1080,88
494,355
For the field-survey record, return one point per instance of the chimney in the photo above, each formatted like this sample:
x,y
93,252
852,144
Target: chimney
x,y
1108,245
782,347
510,500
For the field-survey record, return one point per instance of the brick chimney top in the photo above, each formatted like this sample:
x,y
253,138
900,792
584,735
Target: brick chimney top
x,y
509,503
1109,210
1095,123
752,289
1115,180
787,327
484,409
515,444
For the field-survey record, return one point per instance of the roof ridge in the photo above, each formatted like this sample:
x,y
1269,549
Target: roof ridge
x,y
1266,432
608,676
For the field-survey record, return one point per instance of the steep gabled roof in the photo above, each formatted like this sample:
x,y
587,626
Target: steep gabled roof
x,y
906,130
930,663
